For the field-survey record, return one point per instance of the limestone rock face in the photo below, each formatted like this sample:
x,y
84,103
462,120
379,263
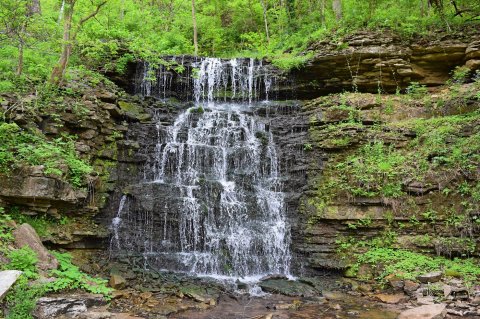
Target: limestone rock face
x,y
69,306
30,187
437,311
373,62
25,235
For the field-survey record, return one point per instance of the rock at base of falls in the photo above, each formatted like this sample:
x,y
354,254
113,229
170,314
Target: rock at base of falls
x,y
7,279
437,311
288,288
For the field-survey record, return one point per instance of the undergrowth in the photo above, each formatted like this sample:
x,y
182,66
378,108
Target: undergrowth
x,y
19,147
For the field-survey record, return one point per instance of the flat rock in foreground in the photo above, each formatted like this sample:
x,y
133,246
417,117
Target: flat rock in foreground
x,y
7,279
437,311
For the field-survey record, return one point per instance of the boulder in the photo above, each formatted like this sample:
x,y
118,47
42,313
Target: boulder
x,y
391,299
7,279
437,311
288,288
430,277
117,281
25,235
410,287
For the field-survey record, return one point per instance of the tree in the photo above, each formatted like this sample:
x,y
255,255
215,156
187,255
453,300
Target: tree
x,y
16,16
195,35
69,36
264,7
337,9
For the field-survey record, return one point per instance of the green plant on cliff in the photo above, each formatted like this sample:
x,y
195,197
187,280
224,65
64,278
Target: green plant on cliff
x,y
23,259
18,147
373,171
408,265
6,227
68,276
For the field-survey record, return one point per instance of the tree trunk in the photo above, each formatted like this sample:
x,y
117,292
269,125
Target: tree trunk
x,y
337,9
322,12
265,20
20,57
59,69
195,35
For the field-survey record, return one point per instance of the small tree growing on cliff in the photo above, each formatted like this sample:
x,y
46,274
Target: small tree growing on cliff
x,y
69,35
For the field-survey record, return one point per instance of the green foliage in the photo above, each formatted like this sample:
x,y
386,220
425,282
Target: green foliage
x,y
126,30
199,110
5,229
460,75
23,259
19,147
21,300
68,276
373,171
307,147
41,223
416,91
408,265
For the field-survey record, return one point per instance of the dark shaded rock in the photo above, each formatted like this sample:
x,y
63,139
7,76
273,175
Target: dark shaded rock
x,y
288,288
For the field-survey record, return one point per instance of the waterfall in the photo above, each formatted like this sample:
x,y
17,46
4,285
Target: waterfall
x,y
207,79
212,192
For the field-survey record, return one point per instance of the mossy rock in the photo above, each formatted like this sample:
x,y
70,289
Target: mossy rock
x,y
134,110
350,272
452,273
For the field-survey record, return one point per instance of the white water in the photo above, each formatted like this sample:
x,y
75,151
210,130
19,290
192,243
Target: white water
x,y
210,79
226,217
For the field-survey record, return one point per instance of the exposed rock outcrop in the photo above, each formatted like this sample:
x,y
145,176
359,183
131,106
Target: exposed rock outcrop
x,y
373,62
25,235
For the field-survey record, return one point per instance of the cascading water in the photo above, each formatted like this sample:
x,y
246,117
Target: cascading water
x,y
210,78
219,207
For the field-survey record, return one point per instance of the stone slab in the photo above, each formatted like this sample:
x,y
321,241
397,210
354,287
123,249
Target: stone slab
x,y
7,279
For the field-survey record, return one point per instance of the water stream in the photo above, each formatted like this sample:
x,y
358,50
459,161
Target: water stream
x,y
214,180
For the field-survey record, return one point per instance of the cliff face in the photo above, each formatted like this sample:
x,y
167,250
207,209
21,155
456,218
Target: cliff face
x,y
397,171
334,197
373,62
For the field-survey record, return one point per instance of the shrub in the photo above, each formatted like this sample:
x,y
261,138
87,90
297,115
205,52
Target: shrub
x,y
23,259
68,276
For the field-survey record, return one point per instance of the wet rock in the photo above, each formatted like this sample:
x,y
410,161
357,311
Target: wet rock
x,y
410,287
395,282
391,299
106,96
88,134
438,311
7,279
273,276
114,111
69,306
25,235
430,277
288,288
117,281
